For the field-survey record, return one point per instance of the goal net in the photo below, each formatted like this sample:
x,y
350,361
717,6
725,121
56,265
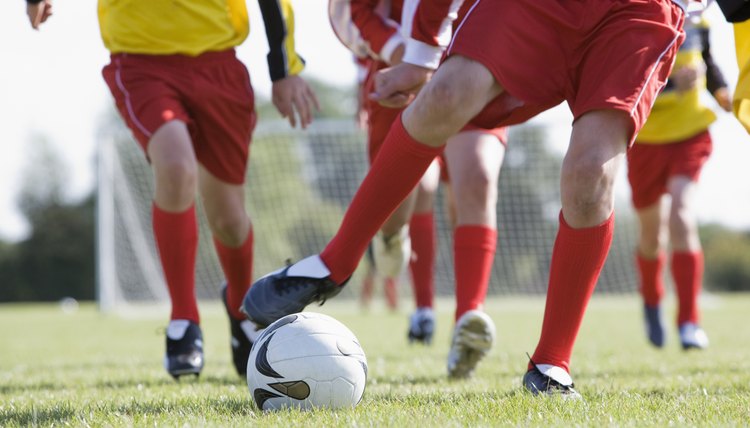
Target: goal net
x,y
300,182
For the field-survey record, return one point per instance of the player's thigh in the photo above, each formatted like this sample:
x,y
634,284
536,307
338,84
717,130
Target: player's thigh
x,y
474,159
171,148
682,190
652,220
459,90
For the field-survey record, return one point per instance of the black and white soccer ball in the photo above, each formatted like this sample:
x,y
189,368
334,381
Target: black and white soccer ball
x,y
307,360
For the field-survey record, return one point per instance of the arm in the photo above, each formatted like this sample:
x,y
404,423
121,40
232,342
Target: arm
x,y
428,27
363,30
715,82
290,93
735,10
38,12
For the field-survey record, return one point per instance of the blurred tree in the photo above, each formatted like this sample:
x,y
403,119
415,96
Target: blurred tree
x,y
727,255
57,259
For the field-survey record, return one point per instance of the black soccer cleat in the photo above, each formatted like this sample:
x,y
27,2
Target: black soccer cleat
x,y
242,334
184,349
288,291
545,379
654,325
421,326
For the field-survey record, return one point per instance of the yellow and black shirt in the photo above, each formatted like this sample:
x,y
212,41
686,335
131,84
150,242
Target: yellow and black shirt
x,y
676,115
192,27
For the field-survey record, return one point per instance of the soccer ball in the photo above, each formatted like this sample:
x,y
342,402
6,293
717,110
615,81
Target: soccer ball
x,y
306,360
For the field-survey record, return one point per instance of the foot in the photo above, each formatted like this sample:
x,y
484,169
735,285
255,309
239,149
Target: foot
x,y
242,335
288,291
472,339
392,253
422,326
184,348
546,379
692,336
654,325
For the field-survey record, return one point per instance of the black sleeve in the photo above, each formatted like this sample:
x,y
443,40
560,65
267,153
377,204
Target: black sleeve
x,y
714,78
735,10
33,1
276,32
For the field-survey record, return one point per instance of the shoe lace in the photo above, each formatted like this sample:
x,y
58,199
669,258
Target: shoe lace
x,y
292,283
552,384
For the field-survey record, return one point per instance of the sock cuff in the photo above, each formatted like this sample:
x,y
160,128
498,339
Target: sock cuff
x,y
604,230
412,146
475,235
221,247
157,211
686,254
661,256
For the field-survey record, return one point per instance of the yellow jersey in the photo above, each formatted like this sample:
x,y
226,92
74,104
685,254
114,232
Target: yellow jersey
x,y
192,27
741,102
676,115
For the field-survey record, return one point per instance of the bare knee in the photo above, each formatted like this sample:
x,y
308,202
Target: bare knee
x,y
230,228
476,197
587,189
175,183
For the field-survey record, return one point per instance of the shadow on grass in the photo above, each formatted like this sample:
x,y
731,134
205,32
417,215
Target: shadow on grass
x,y
63,413
146,381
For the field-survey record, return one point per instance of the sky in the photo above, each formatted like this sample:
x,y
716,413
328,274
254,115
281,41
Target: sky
x,y
51,85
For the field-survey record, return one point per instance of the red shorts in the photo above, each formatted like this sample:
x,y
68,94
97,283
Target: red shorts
x,y
211,93
650,166
381,118
594,54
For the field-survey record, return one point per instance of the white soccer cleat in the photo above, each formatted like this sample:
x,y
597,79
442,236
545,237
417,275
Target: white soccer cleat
x,y
692,336
392,253
473,337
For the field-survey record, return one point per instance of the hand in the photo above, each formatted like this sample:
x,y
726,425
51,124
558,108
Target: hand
x,y
38,12
684,78
361,116
723,98
397,86
292,94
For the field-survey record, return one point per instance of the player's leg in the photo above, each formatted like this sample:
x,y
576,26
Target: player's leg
x,y
687,261
650,262
474,159
144,88
176,232
648,172
233,240
175,229
422,263
391,246
596,150
458,91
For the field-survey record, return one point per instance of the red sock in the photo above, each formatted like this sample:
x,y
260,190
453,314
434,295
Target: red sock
x,y
177,239
394,173
577,260
473,252
422,234
237,264
687,272
652,281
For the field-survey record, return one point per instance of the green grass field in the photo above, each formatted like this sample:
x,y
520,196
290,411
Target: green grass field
x,y
89,369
